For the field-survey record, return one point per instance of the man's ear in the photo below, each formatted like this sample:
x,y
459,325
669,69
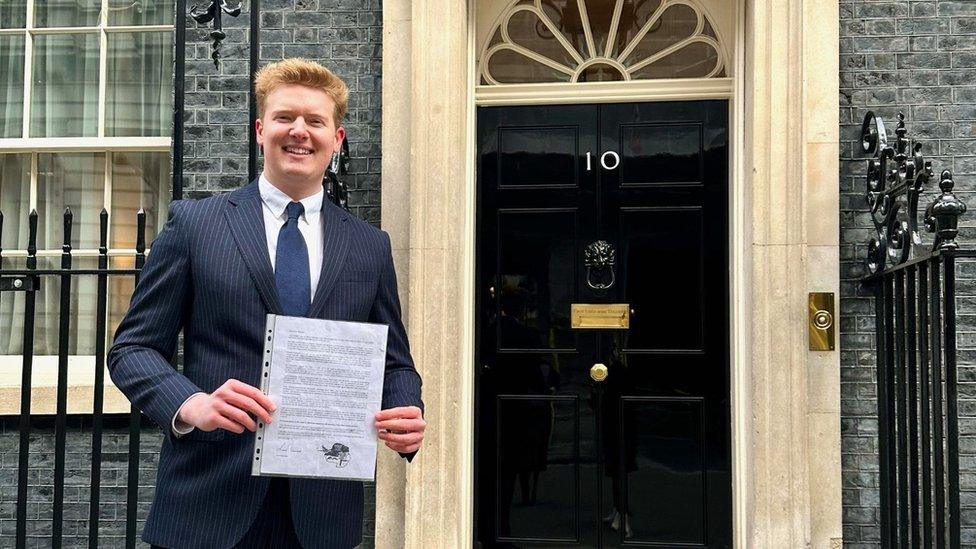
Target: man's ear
x,y
259,132
339,137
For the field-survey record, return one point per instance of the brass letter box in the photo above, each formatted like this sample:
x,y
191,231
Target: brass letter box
x,y
612,316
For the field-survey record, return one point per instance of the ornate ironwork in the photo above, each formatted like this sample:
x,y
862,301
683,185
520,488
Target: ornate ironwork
x,y
213,13
896,177
335,188
601,257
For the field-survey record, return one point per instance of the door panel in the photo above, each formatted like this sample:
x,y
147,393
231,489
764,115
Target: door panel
x,y
663,320
542,156
640,458
654,154
535,281
538,457
664,460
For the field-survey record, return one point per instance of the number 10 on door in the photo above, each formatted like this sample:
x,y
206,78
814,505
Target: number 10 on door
x,y
611,155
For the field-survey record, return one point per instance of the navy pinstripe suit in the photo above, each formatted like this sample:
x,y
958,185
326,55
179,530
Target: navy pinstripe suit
x,y
209,274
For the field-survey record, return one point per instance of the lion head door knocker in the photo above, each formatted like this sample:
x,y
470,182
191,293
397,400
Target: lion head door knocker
x,y
599,259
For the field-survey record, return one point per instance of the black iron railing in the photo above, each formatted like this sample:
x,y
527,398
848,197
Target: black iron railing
x,y
915,321
29,281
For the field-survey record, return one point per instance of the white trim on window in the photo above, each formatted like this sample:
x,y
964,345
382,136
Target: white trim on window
x,y
82,144
82,30
102,68
28,73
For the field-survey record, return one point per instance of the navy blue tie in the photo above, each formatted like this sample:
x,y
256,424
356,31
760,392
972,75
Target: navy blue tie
x,y
291,265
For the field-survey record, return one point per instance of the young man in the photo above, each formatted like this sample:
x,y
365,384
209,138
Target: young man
x,y
216,269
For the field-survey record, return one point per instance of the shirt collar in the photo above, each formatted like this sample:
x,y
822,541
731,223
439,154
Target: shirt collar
x,y
276,200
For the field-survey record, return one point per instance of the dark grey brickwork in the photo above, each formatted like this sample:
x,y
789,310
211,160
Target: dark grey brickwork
x,y
114,478
918,57
344,35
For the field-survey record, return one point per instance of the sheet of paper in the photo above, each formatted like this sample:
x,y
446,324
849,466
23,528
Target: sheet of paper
x,y
326,379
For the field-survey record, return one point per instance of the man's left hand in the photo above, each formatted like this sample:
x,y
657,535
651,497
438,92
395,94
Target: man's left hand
x,y
402,429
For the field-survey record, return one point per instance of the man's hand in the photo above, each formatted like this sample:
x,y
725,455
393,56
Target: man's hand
x,y
402,429
230,407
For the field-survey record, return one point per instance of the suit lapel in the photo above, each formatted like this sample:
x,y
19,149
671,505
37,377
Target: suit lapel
x,y
335,244
246,222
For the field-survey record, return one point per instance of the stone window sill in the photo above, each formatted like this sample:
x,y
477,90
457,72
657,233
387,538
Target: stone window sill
x,y
44,386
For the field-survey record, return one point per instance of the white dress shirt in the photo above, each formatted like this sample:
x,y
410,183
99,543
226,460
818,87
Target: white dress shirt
x,y
310,224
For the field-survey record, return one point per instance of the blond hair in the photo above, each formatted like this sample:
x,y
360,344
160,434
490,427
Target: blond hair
x,y
304,72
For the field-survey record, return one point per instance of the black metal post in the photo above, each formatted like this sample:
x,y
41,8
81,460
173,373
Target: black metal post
x,y
884,439
25,384
179,98
135,416
252,140
952,412
937,439
890,408
97,397
924,397
911,336
60,425
901,412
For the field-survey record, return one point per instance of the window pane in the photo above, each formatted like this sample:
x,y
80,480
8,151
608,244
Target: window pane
x,y
696,60
12,85
64,100
127,12
77,181
47,315
139,99
13,14
12,312
510,67
120,290
137,179
76,13
14,199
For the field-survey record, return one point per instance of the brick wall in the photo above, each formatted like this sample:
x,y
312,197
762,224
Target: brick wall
x,y
77,485
344,35
917,57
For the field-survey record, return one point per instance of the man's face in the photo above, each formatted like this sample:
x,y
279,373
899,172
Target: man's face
x,y
298,134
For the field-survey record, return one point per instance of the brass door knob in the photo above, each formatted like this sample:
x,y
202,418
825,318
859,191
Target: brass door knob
x,y
599,372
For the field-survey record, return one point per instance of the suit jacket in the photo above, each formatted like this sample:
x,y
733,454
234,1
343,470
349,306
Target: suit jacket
x,y
209,274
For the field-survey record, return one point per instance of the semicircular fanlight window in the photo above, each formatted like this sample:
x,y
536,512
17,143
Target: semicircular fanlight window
x,y
538,41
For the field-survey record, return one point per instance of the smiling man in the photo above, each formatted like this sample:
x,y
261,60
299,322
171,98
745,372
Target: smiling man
x,y
216,269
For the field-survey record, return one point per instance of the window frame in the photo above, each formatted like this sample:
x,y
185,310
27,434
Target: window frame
x,y
29,31
80,374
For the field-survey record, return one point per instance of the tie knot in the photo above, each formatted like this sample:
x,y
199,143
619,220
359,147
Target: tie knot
x,y
294,210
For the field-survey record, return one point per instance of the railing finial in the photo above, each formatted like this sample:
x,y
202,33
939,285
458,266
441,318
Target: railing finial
x,y
942,215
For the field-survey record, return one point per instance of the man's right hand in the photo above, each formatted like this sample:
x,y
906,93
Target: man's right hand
x,y
230,407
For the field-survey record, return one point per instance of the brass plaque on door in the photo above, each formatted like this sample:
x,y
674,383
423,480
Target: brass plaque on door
x,y
612,316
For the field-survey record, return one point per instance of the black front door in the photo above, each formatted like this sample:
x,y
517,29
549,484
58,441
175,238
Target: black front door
x,y
603,204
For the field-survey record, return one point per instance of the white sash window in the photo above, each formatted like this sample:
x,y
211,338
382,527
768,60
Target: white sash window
x,y
86,102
